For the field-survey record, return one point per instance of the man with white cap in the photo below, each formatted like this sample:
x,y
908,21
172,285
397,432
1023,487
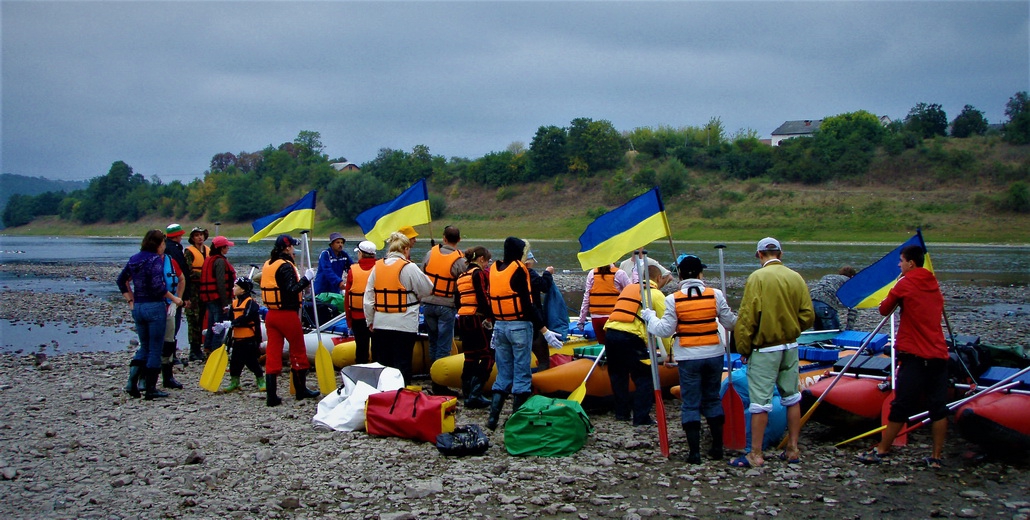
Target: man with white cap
x,y
354,294
774,310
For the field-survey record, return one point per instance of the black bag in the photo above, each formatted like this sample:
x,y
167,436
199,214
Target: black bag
x,y
326,312
468,439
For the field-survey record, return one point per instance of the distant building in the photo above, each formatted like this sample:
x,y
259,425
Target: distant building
x,y
345,167
790,129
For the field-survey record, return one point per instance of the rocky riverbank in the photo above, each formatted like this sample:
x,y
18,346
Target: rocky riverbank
x,y
74,445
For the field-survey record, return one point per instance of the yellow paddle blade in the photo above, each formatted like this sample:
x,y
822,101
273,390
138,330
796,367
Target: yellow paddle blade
x,y
214,370
579,393
324,370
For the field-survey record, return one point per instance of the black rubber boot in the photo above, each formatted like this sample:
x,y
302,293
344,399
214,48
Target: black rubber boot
x,y
132,387
196,354
152,391
300,385
715,425
496,404
519,400
271,397
168,379
693,431
474,398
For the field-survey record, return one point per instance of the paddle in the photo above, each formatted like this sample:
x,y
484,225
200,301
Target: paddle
x,y
734,433
865,343
581,391
645,302
214,371
324,369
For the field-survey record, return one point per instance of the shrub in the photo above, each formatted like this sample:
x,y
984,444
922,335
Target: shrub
x,y
1016,198
505,193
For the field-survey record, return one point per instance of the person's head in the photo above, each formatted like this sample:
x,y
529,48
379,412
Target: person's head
x,y
153,242
451,235
243,286
911,257
689,266
221,245
174,232
638,252
768,247
197,236
398,242
514,249
284,245
409,232
367,249
477,255
654,273
336,242
530,259
847,270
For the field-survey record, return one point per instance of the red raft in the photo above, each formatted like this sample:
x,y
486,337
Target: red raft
x,y
1000,421
857,399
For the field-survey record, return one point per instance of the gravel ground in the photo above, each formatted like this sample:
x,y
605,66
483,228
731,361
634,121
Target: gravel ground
x,y
73,445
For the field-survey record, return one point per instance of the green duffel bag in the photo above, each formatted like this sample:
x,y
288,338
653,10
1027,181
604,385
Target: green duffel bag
x,y
547,427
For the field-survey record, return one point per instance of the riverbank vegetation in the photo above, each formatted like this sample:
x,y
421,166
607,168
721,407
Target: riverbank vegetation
x,y
855,178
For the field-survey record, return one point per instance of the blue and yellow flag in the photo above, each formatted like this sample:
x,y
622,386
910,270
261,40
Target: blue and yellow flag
x,y
410,208
298,216
870,286
623,229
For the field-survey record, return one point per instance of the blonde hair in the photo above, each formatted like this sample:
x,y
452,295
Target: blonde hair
x,y
397,242
525,251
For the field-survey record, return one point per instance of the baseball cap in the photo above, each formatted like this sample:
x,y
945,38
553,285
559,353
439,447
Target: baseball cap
x,y
220,241
333,237
174,230
768,244
284,241
367,247
408,231
690,264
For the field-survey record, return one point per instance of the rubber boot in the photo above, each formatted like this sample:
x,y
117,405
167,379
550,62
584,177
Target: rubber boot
x,y
168,379
152,391
132,387
234,384
693,431
496,404
271,397
519,400
260,383
474,398
300,378
196,354
715,425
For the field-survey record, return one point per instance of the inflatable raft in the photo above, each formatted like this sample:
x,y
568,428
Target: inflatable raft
x,y
1000,421
447,371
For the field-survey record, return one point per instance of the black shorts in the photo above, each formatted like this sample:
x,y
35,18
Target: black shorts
x,y
922,385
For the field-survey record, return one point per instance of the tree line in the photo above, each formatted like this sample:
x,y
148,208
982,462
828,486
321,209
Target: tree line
x,y
246,185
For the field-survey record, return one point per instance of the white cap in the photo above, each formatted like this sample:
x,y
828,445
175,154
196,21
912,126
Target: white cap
x,y
768,244
367,247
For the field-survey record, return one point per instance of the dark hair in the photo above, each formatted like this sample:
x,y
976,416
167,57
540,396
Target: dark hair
x,y
276,253
848,271
451,234
152,240
472,253
915,254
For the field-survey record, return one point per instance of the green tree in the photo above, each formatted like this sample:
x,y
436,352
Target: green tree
x,y
353,192
547,157
969,122
19,210
1017,129
672,177
927,120
311,141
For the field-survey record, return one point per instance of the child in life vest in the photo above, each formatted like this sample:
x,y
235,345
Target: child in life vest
x,y
246,335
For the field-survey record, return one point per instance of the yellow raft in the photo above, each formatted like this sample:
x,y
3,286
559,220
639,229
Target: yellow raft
x,y
447,371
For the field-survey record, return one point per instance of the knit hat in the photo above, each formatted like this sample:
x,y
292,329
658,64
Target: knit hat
x,y
174,230
690,266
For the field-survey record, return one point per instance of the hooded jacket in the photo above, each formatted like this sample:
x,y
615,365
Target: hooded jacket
x,y
922,307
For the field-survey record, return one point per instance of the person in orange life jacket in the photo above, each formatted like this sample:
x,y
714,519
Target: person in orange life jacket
x,y
692,317
603,286
443,264
333,262
174,249
539,285
195,254
142,283
216,281
922,355
626,348
630,266
474,324
281,291
392,293
246,335
516,317
175,283
353,297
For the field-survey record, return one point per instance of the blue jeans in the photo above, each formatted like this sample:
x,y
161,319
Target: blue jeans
x,y
825,316
150,327
215,314
700,380
440,327
513,346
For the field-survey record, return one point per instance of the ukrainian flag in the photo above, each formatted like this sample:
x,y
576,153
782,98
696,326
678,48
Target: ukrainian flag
x,y
298,216
410,208
623,229
870,286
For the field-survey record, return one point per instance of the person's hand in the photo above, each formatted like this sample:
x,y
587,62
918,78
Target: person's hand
x,y
226,325
550,269
553,340
647,315
581,324
309,274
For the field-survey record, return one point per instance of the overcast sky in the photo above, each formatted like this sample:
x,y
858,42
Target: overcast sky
x,y
165,85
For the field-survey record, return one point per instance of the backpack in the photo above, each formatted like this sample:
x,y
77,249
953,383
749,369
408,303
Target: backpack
x,y
468,439
547,427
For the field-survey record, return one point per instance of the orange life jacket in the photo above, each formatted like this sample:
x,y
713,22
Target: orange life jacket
x,y
390,293
271,294
603,293
438,269
356,295
208,284
238,308
627,307
467,302
505,303
199,255
696,316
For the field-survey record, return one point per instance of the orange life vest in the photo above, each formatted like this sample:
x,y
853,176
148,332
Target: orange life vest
x,y
467,302
356,295
271,294
199,255
505,303
438,269
390,293
627,307
238,308
208,284
696,316
603,293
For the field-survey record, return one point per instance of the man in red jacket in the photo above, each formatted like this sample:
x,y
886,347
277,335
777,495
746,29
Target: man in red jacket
x,y
922,354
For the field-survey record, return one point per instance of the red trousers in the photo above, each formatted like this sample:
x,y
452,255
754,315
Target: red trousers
x,y
284,326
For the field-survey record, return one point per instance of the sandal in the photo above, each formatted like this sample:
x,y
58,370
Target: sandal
x,y
796,459
870,457
932,463
743,462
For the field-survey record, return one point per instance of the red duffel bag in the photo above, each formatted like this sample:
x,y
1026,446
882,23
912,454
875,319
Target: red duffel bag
x,y
409,414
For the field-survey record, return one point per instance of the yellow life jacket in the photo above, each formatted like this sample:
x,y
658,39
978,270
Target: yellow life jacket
x,y
696,318
438,269
356,295
627,307
271,294
603,293
238,308
505,303
390,293
199,255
